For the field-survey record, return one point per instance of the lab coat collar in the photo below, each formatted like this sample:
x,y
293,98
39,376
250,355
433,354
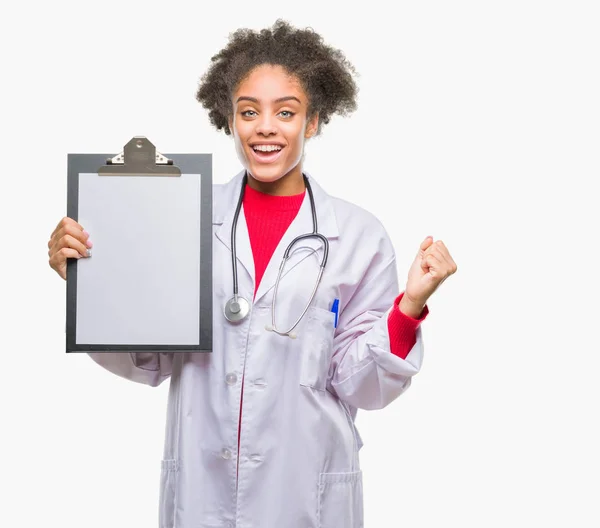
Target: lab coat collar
x,y
225,202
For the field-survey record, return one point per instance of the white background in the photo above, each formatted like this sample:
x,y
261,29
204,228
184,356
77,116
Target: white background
x,y
478,123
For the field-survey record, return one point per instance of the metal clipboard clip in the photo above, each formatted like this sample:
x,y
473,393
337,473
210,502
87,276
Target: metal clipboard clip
x,y
139,158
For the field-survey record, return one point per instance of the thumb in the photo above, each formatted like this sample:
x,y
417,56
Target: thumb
x,y
425,244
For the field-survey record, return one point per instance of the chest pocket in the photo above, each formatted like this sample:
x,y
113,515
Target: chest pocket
x,y
317,347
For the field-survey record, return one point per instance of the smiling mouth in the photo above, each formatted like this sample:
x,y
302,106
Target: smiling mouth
x,y
267,153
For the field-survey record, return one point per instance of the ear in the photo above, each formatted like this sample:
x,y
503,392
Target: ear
x,y
312,126
230,123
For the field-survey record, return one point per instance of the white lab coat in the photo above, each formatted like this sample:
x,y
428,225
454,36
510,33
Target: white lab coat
x,y
298,455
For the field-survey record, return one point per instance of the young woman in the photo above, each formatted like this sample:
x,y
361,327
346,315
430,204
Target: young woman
x,y
260,433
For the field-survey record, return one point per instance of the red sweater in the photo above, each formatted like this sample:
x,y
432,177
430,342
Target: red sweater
x,y
267,218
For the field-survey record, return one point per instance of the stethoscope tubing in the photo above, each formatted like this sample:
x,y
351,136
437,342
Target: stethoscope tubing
x,y
233,304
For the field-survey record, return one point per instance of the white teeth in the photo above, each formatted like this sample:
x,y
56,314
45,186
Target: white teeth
x,y
267,148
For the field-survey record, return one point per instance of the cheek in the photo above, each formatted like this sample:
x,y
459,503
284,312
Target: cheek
x,y
240,126
239,136
296,137
238,141
236,131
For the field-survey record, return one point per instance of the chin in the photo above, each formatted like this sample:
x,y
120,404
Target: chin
x,y
266,175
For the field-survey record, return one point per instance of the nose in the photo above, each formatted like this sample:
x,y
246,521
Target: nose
x,y
266,125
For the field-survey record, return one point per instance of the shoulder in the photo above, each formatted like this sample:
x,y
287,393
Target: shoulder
x,y
349,213
362,227
224,195
358,226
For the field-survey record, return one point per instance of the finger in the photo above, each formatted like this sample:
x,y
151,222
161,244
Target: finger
x,y
63,254
437,250
436,268
446,267
425,244
69,241
81,236
430,261
70,227
63,239
66,221
58,259
446,254
58,262
433,249
438,244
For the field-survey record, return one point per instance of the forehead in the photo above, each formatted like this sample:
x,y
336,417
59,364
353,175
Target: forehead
x,y
270,82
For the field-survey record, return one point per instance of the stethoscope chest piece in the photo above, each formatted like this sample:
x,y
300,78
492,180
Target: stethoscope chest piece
x,y
236,309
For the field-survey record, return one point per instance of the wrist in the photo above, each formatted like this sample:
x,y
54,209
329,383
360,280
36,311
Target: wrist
x,y
410,307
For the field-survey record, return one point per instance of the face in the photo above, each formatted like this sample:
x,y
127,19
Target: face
x,y
270,125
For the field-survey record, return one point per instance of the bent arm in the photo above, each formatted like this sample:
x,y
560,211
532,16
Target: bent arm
x,y
149,368
364,371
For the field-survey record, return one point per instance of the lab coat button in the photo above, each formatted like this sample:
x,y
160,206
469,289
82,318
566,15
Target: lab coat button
x,y
231,379
226,454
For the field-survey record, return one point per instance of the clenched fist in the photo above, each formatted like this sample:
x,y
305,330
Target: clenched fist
x,y
68,240
432,266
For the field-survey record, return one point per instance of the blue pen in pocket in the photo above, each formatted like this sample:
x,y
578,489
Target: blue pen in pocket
x,y
335,309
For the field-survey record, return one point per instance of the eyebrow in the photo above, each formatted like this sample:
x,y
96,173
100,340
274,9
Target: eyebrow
x,y
280,100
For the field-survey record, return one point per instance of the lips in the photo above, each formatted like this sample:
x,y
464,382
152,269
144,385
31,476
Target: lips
x,y
267,157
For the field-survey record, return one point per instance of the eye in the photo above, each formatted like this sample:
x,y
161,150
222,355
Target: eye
x,y
289,114
246,112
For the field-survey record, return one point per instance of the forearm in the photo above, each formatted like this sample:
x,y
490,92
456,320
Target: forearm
x,y
411,308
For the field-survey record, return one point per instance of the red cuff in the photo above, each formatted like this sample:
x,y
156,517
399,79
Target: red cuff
x,y
402,329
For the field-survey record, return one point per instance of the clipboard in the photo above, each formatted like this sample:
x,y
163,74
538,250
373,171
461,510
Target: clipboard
x,y
147,286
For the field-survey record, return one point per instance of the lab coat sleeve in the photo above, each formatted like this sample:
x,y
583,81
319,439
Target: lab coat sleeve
x,y
363,371
149,368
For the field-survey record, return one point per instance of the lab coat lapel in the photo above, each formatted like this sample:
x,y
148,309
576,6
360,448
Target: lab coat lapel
x,y
301,225
225,204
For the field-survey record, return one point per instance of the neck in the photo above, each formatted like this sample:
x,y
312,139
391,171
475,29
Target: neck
x,y
289,185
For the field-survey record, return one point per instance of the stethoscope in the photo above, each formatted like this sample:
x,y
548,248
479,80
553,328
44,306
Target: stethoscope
x,y
237,308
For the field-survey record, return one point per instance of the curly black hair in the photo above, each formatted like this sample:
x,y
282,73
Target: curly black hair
x,y
323,71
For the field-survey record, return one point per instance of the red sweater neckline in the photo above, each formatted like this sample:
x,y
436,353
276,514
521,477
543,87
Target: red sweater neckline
x,y
264,201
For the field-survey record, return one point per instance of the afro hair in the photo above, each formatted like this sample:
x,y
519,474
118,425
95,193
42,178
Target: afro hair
x,y
324,73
